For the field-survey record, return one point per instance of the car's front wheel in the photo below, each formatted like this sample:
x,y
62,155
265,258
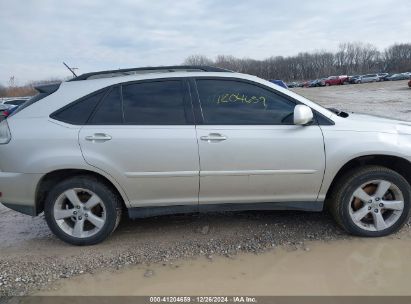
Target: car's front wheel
x,y
372,201
82,210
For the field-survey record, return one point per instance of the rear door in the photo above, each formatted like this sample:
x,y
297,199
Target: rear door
x,y
250,151
143,135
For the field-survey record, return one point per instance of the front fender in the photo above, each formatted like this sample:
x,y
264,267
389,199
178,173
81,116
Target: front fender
x,y
341,147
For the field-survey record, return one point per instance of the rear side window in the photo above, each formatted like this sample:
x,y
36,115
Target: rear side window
x,y
79,112
154,103
109,111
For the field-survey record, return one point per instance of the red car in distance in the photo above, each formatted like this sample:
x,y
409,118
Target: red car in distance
x,y
336,80
409,84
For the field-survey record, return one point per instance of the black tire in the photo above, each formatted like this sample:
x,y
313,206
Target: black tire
x,y
339,200
112,204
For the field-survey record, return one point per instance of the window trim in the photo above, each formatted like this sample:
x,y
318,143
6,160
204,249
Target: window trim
x,y
199,111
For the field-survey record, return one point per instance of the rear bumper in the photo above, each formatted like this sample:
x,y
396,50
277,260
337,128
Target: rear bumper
x,y
18,191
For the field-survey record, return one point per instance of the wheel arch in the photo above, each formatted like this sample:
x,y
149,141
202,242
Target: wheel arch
x,y
396,163
52,178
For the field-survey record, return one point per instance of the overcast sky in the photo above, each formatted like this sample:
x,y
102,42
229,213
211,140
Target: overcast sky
x,y
36,36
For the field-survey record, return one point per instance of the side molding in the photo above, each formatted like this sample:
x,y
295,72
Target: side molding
x,y
144,212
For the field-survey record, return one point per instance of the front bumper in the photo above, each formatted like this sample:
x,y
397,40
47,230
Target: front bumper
x,y
18,191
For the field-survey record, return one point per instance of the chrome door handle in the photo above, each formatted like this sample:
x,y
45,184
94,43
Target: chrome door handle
x,y
98,137
213,137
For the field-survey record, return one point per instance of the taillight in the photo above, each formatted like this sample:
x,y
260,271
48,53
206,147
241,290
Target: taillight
x,y
5,134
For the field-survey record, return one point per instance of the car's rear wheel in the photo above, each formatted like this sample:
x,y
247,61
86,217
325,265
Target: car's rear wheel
x,y
82,210
372,201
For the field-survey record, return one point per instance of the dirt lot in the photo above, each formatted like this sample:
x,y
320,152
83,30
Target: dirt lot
x,y
391,99
347,267
31,259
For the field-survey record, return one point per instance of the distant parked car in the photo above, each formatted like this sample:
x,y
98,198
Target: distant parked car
x,y
385,77
317,83
336,80
6,104
382,76
292,84
280,83
10,110
14,100
398,77
368,78
353,79
3,108
312,83
305,84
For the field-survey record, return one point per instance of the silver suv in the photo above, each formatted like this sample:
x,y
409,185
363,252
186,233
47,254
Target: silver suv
x,y
157,141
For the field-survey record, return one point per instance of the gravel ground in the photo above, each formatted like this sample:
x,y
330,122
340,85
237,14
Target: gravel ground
x,y
31,257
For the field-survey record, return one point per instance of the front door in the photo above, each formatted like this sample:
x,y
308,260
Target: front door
x,y
250,151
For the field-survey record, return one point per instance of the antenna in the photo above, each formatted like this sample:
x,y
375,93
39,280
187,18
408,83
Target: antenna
x,y
71,69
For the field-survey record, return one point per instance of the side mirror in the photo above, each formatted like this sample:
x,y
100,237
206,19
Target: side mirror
x,y
302,115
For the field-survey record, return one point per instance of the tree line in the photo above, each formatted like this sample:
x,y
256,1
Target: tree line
x,y
13,90
349,59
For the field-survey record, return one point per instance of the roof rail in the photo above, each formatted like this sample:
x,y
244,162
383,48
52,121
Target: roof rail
x,y
146,70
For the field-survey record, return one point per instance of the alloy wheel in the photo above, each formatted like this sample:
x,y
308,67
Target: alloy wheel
x,y
376,205
79,212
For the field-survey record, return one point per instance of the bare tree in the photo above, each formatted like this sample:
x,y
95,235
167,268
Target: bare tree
x,y
197,60
351,58
3,90
397,58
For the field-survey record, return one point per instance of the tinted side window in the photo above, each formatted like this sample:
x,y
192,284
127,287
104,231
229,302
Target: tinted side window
x,y
79,112
154,103
109,111
229,102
